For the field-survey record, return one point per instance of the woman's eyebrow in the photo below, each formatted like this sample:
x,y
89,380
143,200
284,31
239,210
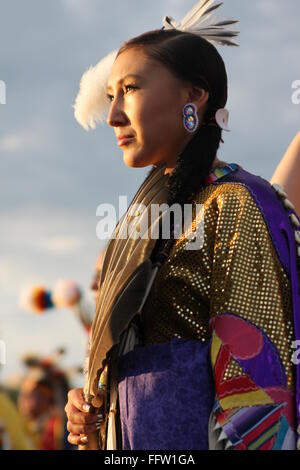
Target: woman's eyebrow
x,y
131,75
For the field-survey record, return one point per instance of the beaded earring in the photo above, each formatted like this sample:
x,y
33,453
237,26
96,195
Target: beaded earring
x,y
190,117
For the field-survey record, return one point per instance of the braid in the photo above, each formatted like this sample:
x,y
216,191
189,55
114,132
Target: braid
x,y
194,164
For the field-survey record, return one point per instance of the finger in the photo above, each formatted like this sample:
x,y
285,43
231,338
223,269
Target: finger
x,y
99,399
83,428
76,398
78,417
75,440
78,440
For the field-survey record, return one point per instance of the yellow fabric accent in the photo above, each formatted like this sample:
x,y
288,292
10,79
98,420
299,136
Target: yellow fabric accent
x,y
237,270
219,173
13,425
215,348
258,397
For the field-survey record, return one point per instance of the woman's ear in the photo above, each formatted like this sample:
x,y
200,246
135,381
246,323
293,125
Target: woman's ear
x,y
199,97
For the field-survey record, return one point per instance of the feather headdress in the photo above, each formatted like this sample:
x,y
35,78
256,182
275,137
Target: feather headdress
x,y
200,20
91,103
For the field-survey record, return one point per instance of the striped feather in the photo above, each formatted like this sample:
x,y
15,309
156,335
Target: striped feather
x,y
200,20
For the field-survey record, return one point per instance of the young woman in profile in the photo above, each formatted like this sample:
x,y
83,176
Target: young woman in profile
x,y
190,348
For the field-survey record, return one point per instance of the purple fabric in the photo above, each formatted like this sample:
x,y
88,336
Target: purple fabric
x,y
271,376
166,395
281,231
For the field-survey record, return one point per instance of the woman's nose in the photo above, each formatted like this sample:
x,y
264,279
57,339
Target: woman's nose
x,y
116,116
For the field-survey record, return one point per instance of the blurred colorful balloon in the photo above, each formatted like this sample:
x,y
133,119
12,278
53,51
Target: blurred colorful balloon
x,y
66,294
36,299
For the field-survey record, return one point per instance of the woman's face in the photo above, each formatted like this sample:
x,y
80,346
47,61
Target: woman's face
x,y
34,400
146,105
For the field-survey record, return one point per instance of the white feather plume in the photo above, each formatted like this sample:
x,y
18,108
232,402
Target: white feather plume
x,y
201,20
91,103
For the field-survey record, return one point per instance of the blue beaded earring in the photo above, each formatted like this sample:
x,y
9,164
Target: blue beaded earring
x,y
190,117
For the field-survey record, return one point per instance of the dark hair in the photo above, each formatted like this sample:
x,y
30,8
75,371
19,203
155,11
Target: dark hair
x,y
192,59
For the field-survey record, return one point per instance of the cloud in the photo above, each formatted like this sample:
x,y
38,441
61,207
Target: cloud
x,y
177,8
291,115
272,10
35,137
21,141
82,10
40,245
63,244
14,272
8,269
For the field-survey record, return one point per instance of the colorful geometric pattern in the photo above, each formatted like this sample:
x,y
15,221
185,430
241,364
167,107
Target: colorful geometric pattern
x,y
254,408
220,172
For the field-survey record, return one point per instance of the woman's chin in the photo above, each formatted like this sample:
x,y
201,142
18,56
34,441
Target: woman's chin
x,y
133,161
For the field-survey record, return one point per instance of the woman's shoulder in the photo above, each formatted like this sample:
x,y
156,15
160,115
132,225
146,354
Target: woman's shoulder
x,y
245,196
243,199
231,183
224,189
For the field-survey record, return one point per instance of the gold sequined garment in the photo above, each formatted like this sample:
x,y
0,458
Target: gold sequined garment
x,y
237,270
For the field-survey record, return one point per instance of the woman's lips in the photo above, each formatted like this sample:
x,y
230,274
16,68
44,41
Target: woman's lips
x,y
125,140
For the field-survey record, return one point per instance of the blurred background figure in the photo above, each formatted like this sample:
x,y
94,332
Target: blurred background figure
x,y
42,398
94,286
287,173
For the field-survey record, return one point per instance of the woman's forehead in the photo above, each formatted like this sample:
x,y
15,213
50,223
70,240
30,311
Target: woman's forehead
x,y
132,63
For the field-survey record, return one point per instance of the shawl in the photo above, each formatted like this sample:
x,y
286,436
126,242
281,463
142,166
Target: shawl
x,y
125,276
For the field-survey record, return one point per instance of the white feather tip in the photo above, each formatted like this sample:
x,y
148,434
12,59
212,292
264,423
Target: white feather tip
x,y
91,103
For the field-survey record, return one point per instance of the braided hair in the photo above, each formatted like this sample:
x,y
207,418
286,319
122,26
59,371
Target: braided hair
x,y
194,60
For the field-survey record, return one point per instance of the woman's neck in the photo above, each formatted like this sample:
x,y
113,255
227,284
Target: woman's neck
x,y
216,163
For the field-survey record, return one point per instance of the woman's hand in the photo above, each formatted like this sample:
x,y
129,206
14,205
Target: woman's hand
x,y
83,419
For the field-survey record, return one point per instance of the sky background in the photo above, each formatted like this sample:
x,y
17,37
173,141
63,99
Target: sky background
x,y
53,174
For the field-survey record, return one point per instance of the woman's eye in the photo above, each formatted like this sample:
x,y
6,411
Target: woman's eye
x,y
127,88
130,87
